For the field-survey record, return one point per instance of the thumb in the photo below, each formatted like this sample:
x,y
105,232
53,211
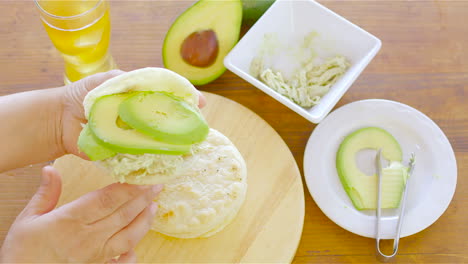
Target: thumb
x,y
48,194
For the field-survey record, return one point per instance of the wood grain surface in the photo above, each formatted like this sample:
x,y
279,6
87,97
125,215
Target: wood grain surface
x,y
423,63
275,197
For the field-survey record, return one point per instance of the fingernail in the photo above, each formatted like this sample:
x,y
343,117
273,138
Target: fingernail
x,y
153,208
143,187
157,188
45,179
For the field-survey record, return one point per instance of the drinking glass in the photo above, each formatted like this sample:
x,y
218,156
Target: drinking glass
x,y
80,30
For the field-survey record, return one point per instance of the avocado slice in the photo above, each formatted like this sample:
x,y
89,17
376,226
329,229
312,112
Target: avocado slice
x,y
88,144
362,188
105,124
200,38
164,117
254,9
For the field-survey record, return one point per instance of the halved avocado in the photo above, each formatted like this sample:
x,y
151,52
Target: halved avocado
x,y
362,188
201,37
103,122
164,117
88,143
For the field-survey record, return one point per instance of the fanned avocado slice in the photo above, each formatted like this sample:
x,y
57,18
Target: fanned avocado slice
x,y
164,117
105,125
88,144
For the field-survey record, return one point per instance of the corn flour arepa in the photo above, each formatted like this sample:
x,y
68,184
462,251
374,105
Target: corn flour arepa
x,y
204,188
207,192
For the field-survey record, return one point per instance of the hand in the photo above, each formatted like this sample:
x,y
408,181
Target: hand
x,y
73,113
95,228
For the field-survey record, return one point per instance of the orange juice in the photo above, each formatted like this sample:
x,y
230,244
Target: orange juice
x,y
80,30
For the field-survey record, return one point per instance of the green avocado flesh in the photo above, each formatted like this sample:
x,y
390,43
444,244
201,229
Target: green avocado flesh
x,y
88,144
164,117
109,131
198,23
362,188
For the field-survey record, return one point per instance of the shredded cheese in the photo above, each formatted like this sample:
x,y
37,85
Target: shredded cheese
x,y
307,86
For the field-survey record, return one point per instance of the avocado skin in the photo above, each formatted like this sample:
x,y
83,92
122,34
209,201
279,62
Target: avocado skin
x,y
252,10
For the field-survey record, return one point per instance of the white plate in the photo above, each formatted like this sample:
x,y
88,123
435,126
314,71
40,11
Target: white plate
x,y
431,186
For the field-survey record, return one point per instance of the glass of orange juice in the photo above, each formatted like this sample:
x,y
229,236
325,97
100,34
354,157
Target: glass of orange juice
x,y
80,30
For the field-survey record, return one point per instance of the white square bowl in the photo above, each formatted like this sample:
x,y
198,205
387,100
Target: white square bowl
x,y
292,20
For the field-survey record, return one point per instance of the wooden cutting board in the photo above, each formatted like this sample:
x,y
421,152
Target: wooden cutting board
x,y
269,225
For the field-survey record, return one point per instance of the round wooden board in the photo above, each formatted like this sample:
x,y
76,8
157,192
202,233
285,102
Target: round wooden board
x,y
269,225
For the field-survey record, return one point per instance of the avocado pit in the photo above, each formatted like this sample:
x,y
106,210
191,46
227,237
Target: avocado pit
x,y
200,48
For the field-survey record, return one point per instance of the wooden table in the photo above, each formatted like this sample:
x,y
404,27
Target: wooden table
x,y
423,63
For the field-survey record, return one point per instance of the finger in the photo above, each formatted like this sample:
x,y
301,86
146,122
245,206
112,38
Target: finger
x,y
81,154
93,81
76,92
127,212
98,204
127,238
201,100
47,195
129,257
